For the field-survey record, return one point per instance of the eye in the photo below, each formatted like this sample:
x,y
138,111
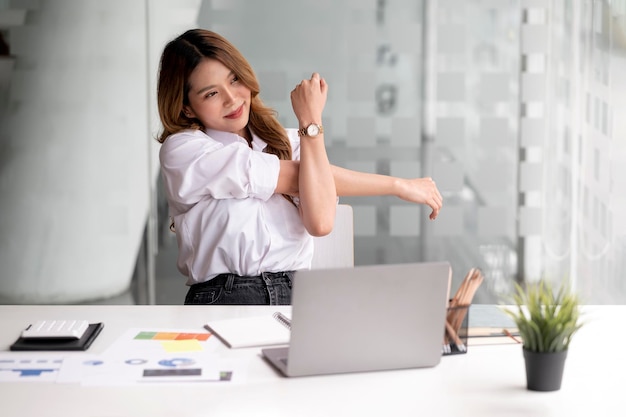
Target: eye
x,y
234,80
210,94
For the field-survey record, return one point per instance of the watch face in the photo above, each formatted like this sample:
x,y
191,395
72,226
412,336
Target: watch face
x,y
312,130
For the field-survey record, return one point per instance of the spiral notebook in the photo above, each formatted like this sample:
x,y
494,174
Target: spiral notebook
x,y
268,330
366,318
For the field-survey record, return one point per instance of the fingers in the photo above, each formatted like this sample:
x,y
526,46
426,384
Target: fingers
x,y
434,214
436,200
323,85
435,206
315,79
308,99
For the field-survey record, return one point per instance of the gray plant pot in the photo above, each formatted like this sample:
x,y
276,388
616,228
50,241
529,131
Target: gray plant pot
x,y
544,370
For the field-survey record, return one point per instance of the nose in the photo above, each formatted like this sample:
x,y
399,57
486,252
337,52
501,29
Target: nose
x,y
229,96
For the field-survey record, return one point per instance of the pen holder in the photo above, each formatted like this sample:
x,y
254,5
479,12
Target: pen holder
x,y
456,330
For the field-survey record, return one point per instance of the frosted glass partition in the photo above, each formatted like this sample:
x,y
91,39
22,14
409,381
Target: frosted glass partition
x,y
379,59
476,107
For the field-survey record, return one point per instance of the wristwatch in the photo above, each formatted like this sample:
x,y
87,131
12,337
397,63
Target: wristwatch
x,y
311,130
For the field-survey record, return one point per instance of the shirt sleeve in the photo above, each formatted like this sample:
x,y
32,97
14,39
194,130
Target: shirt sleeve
x,y
195,166
292,134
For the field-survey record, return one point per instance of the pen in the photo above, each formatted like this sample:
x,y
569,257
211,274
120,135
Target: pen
x,y
455,338
508,333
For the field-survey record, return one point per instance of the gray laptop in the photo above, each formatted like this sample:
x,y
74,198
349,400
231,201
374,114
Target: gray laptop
x,y
366,318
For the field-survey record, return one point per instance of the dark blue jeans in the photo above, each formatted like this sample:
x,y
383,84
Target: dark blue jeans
x,y
270,288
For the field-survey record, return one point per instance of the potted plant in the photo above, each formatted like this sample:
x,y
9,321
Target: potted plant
x,y
546,320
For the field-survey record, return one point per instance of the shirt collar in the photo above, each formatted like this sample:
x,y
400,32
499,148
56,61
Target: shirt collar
x,y
227,138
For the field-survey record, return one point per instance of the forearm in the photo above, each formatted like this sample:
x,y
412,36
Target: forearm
x,y
414,190
316,187
347,183
353,183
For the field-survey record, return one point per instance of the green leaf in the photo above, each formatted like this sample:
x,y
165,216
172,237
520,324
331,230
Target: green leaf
x,y
546,319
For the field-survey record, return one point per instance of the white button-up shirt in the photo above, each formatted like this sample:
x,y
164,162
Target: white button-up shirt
x,y
227,217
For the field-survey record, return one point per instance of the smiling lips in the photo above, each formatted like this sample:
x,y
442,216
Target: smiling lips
x,y
236,114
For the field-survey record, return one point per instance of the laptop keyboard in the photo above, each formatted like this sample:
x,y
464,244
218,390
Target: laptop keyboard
x,y
283,361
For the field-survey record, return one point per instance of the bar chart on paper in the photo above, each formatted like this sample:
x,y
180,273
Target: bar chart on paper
x,y
29,368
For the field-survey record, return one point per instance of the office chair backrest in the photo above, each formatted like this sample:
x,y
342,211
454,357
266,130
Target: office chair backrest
x,y
336,250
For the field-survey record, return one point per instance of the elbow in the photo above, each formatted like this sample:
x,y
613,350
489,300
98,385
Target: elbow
x,y
320,228
319,231
318,219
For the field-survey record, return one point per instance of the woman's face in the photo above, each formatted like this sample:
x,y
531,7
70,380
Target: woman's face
x,y
218,99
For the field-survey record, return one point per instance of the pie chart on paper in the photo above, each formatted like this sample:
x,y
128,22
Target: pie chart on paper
x,y
177,362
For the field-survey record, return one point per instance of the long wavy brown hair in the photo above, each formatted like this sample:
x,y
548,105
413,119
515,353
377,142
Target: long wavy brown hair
x,y
180,57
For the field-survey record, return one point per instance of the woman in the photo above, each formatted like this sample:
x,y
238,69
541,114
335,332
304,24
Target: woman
x,y
245,194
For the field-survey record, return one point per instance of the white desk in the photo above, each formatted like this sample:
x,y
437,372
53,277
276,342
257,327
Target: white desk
x,y
487,381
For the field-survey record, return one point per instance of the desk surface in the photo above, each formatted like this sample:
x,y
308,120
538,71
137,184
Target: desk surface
x,y
487,381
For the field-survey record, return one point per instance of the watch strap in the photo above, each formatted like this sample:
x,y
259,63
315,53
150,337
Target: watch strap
x,y
303,131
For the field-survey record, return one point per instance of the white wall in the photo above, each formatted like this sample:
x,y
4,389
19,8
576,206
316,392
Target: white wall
x,y
77,149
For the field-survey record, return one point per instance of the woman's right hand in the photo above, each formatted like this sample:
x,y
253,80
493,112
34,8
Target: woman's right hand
x,y
308,100
421,191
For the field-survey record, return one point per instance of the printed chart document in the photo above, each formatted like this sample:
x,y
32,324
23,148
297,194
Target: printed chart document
x,y
143,356
257,331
